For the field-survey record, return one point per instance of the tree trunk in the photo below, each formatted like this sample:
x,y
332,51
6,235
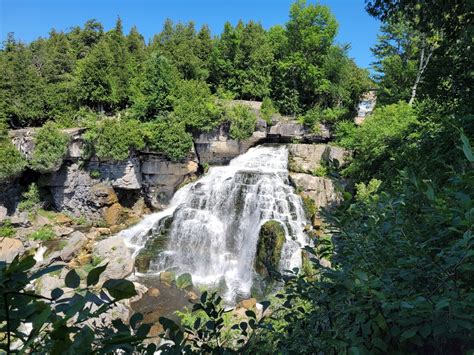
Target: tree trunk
x,y
425,56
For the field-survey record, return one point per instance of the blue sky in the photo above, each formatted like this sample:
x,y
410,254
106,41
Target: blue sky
x,y
29,19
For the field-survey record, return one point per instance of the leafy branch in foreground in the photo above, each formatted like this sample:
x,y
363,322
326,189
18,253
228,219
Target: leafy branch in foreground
x,y
70,319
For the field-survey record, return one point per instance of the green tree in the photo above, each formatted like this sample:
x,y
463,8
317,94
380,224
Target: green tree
x,y
194,105
93,85
152,89
50,148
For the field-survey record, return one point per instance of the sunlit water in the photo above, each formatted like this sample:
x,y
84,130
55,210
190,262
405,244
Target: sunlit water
x,y
216,222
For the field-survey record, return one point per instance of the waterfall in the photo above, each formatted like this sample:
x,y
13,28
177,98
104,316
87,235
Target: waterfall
x,y
216,221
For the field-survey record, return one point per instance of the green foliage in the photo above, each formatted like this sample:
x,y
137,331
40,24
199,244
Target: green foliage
x,y
65,322
267,110
377,141
321,171
44,233
365,193
50,148
12,162
30,199
113,139
242,121
209,329
151,89
194,105
6,229
168,137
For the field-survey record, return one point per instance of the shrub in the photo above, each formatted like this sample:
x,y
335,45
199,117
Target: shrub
x,y
321,171
242,122
194,105
50,148
113,138
64,323
267,110
169,137
12,162
6,229
30,199
376,143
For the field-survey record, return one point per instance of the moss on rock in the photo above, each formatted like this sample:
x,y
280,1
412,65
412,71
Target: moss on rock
x,y
270,244
154,245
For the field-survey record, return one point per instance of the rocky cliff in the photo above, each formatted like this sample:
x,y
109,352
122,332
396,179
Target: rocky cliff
x,y
89,188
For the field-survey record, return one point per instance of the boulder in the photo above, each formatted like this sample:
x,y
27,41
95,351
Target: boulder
x,y
167,277
153,292
9,248
61,231
62,219
119,258
184,281
269,246
71,248
249,303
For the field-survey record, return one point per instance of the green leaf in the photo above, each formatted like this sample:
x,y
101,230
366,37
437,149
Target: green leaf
x,y
120,289
466,147
407,334
94,275
137,317
72,279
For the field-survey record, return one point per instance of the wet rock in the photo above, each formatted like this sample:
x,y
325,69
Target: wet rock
x,y
9,248
114,252
167,277
184,281
153,292
192,296
153,245
269,246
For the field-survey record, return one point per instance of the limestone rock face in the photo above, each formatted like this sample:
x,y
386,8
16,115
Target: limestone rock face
x,y
287,130
9,248
305,158
114,251
123,174
217,148
321,190
162,177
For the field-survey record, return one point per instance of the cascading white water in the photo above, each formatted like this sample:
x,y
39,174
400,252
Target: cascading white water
x,y
216,221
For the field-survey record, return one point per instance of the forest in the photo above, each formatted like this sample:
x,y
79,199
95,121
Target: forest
x,y
400,244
